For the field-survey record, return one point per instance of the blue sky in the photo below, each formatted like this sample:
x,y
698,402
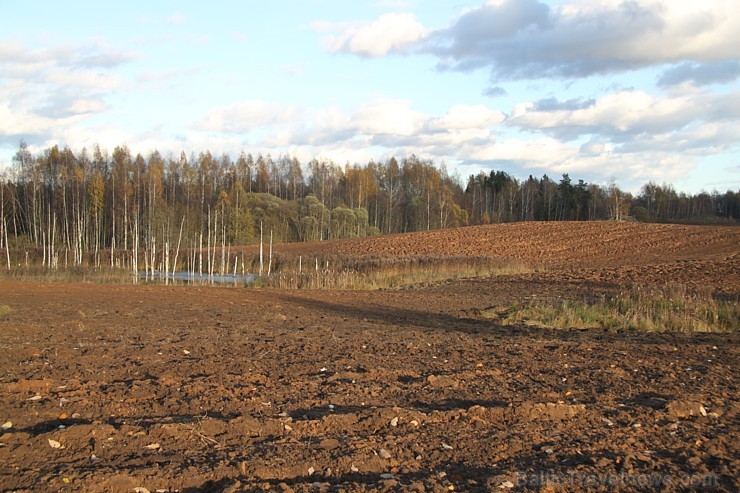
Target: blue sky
x,y
635,91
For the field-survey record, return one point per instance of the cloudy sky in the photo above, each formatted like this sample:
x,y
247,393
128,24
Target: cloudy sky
x,y
602,89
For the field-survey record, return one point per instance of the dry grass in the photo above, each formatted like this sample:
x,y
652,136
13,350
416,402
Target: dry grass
x,y
368,273
105,275
672,308
319,272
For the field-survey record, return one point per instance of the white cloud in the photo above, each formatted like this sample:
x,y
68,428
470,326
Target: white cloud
x,y
394,124
464,116
50,90
553,157
631,134
77,136
379,123
86,105
527,39
623,114
593,147
699,74
245,116
177,18
83,80
385,116
696,140
18,60
15,123
391,33
540,153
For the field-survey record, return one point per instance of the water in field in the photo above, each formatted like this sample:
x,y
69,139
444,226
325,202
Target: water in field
x,y
186,277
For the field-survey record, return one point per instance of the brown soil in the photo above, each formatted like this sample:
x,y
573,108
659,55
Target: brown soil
x,y
561,245
113,388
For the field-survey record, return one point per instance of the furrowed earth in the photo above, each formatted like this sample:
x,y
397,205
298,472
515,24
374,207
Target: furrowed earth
x,y
129,388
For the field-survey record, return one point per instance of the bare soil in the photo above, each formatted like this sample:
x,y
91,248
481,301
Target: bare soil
x,y
112,388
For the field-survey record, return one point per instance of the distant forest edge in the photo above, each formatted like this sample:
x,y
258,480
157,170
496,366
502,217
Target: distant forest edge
x,y
92,201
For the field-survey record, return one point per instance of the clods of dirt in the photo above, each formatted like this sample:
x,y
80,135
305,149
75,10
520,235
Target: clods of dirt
x,y
142,388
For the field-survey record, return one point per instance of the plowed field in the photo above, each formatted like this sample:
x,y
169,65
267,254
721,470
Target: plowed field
x,y
561,245
114,388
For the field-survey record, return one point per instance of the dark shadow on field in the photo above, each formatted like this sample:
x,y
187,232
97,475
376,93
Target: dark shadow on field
x,y
446,322
145,422
458,476
574,473
314,413
48,426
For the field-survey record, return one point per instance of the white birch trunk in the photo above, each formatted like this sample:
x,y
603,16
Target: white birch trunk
x,y
261,249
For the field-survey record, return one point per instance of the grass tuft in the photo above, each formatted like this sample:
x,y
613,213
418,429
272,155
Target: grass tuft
x,y
672,308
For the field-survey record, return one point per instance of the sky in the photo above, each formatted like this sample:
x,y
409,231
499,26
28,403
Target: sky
x,y
631,91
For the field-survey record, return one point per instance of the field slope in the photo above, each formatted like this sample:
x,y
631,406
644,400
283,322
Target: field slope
x,y
111,388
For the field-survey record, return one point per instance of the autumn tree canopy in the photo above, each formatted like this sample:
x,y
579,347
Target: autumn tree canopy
x,y
94,200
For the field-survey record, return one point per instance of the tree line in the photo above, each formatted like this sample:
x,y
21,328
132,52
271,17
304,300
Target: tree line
x,y
81,204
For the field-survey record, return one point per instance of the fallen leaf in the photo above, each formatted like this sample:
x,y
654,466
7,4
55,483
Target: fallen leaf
x,y
35,398
185,352
7,425
153,446
139,489
54,444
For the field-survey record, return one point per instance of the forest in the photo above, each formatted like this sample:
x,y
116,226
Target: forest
x,y
78,208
